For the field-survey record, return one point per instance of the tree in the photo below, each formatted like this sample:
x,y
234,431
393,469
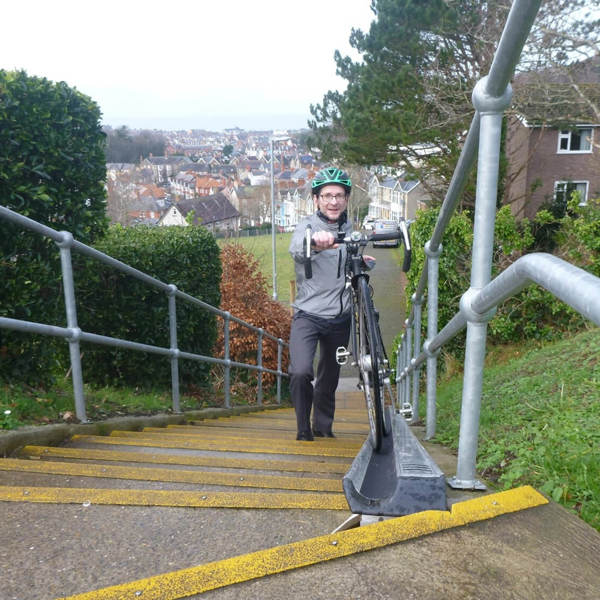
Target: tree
x,y
125,146
227,152
52,169
408,101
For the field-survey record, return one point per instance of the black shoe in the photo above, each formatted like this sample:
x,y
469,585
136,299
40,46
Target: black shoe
x,y
318,433
304,436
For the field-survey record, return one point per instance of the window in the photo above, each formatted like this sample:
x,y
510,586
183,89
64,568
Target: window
x,y
564,189
577,140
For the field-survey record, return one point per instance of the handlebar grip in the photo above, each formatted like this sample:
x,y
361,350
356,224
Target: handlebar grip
x,y
382,237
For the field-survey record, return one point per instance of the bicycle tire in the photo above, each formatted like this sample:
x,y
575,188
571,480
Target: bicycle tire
x,y
384,371
368,340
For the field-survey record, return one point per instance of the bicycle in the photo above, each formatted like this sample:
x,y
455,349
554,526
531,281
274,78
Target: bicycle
x,y
367,348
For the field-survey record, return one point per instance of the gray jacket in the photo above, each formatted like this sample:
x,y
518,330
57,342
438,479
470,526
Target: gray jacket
x,y
325,294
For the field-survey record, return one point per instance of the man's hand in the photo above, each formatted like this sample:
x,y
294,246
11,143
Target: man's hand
x,y
323,240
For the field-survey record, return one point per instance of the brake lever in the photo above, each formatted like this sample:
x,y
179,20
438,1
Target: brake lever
x,y
306,248
407,246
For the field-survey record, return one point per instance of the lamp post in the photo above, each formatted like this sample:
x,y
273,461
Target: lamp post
x,y
273,244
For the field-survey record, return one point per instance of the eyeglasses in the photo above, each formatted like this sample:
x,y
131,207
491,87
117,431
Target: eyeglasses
x,y
331,197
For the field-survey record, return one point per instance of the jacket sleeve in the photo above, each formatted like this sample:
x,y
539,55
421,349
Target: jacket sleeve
x,y
297,244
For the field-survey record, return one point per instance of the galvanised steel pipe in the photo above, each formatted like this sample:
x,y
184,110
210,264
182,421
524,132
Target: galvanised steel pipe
x,y
574,286
279,373
174,348
514,35
432,324
74,335
259,391
403,374
452,328
227,371
408,380
457,184
399,372
490,109
417,304
31,327
71,310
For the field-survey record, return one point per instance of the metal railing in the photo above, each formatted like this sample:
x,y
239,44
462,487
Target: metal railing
x,y
574,286
74,335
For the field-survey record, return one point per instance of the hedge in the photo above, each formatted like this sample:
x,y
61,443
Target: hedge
x,y
119,305
52,169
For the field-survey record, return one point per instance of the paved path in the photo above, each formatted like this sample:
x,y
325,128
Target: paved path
x,y
388,283
170,512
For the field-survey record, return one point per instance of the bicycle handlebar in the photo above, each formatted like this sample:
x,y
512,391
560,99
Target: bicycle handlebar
x,y
361,239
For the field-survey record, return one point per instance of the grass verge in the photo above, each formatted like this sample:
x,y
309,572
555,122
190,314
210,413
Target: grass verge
x,y
23,405
540,422
261,247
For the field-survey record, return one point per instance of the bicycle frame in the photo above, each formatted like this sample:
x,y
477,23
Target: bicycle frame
x,y
367,348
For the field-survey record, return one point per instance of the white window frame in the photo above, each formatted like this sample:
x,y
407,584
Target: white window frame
x,y
565,134
565,183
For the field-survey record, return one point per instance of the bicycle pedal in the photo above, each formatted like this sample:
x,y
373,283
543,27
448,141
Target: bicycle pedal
x,y
406,411
341,355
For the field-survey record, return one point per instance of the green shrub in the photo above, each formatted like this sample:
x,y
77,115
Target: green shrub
x,y
52,170
534,313
118,305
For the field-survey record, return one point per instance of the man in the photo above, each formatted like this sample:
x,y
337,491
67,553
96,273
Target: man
x,y
322,306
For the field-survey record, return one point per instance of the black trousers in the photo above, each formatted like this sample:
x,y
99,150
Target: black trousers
x,y
308,330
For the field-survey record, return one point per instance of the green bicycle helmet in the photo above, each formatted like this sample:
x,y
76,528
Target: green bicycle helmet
x,y
331,176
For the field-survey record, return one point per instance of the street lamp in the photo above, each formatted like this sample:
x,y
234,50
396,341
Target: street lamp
x,y
271,140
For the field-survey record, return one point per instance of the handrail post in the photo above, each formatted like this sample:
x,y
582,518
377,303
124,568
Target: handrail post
x,y
417,303
399,367
71,312
259,391
227,370
279,359
409,375
490,109
174,349
433,263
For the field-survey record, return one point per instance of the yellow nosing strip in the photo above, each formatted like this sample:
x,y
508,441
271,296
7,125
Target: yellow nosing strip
x,y
195,431
292,447
196,580
173,475
241,437
174,498
184,459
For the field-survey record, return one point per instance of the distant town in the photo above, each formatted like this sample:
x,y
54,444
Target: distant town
x,y
223,181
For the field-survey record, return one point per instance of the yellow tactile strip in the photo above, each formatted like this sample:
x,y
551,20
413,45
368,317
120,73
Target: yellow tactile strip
x,y
287,425
315,466
235,439
176,498
196,580
289,447
238,432
172,475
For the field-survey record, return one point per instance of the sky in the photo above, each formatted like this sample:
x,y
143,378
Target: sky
x,y
212,64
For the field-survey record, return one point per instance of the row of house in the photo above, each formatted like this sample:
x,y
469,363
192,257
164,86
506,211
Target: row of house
x,y
201,185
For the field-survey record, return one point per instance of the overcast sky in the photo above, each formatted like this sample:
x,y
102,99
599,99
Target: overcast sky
x,y
189,63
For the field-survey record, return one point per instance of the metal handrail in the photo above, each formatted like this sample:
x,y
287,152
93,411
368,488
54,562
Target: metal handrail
x,y
576,287
74,335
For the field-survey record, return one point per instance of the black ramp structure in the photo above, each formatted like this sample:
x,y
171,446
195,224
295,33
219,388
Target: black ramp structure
x,y
400,480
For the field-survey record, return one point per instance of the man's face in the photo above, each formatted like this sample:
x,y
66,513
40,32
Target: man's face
x,y
331,201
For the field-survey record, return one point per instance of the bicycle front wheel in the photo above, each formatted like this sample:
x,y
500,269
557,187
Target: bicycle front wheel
x,y
368,362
